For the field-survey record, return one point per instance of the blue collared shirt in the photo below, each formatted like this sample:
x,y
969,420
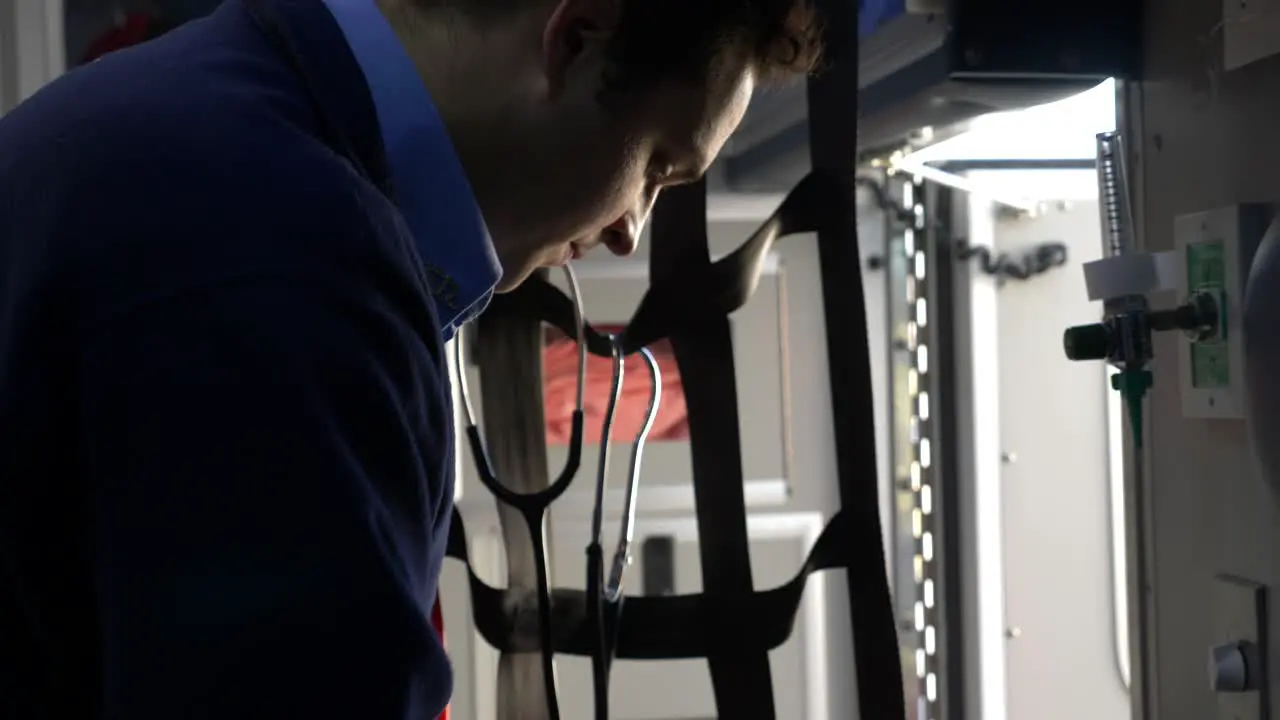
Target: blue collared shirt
x,y
431,188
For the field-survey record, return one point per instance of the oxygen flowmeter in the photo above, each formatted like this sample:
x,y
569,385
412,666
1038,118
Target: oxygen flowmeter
x,y
1122,281
1207,269
1225,269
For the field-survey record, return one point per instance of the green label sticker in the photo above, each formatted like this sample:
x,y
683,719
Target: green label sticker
x,y
1207,272
1210,369
1206,265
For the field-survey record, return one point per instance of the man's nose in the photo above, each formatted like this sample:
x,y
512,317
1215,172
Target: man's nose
x,y
622,236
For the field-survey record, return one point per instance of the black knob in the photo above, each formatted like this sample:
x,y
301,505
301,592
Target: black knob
x,y
1087,342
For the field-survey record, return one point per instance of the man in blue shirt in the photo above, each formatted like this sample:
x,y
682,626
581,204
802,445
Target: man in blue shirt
x,y
229,259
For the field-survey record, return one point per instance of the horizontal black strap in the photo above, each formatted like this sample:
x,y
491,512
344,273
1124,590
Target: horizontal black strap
x,y
690,294
537,299
651,628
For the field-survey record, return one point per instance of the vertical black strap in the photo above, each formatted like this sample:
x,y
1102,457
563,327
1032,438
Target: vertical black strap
x,y
833,145
704,353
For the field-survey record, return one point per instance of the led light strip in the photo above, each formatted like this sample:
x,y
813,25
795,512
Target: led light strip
x,y
922,476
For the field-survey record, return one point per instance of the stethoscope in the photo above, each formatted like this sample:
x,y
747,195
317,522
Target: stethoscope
x,y
604,593
607,598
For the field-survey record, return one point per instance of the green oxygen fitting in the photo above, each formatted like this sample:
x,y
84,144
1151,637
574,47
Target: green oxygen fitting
x,y
1132,384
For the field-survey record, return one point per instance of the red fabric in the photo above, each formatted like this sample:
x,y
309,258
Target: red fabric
x,y
131,31
560,368
437,622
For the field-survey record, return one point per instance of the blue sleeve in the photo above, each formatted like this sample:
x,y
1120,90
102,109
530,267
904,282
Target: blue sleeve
x,y
262,453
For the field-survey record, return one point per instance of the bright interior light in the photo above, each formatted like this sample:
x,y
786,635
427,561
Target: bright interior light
x,y
1055,131
1062,130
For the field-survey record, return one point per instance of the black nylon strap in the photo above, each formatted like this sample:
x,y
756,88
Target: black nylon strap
x,y
690,305
692,293
652,628
740,678
833,147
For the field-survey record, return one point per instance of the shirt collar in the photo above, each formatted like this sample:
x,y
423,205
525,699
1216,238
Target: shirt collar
x,y
430,186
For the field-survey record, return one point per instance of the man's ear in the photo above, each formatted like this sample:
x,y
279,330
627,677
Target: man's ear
x,y
575,30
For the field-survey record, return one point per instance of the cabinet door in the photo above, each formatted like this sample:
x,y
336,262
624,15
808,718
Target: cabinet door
x,y
1061,492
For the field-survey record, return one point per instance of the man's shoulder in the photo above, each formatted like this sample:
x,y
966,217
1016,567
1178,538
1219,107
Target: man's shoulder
x,y
171,183
200,136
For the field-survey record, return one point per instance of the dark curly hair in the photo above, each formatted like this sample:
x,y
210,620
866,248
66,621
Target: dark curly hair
x,y
662,39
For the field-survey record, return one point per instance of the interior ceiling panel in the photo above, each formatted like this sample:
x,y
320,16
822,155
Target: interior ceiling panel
x,y
929,69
